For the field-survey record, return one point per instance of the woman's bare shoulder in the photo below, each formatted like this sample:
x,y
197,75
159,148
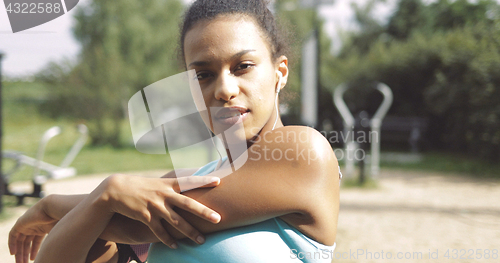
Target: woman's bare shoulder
x,y
312,173
304,158
301,147
291,173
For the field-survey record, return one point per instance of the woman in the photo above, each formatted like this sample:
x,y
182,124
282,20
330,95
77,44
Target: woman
x,y
270,210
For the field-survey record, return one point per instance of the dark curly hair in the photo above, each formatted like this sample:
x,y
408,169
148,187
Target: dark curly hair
x,y
257,9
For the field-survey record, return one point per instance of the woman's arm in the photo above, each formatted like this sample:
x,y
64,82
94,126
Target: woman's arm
x,y
74,235
29,230
302,186
291,172
27,234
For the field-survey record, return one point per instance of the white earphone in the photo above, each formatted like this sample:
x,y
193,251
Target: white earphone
x,y
280,75
278,88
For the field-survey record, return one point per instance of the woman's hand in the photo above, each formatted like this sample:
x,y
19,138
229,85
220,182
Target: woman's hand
x,y
152,201
28,232
148,200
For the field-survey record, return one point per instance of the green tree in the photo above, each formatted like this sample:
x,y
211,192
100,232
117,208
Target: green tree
x,y
409,15
443,15
126,45
441,61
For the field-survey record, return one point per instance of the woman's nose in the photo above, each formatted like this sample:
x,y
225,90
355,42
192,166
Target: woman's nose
x,y
226,88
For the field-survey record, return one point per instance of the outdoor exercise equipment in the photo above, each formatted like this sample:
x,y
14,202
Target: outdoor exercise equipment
x,y
375,124
50,171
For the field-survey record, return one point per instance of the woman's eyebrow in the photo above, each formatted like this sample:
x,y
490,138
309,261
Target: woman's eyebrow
x,y
239,54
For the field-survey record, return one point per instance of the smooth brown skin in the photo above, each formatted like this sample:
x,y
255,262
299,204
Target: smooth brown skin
x,y
235,69
303,195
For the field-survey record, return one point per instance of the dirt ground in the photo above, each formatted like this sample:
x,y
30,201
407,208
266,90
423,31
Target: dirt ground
x,y
410,217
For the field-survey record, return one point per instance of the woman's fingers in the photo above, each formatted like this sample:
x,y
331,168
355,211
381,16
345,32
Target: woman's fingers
x,y
191,182
166,215
20,248
13,242
188,204
192,206
27,248
24,247
174,219
162,234
154,200
35,246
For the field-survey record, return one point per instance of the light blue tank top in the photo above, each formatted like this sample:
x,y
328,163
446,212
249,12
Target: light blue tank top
x,y
272,240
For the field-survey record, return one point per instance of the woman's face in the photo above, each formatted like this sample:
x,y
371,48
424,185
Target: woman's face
x,y
236,73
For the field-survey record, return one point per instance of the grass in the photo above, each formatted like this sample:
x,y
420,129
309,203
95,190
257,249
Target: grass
x,y
450,163
23,127
444,163
369,183
8,202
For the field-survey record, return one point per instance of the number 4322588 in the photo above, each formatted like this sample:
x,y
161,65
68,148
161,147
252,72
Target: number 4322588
x,y
34,8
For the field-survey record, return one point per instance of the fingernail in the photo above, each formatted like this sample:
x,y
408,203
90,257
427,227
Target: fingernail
x,y
214,179
215,217
200,239
174,246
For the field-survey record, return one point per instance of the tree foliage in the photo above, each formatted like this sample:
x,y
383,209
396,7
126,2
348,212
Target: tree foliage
x,y
442,61
125,46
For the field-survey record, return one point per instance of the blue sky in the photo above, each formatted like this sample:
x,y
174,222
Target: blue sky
x,y
29,51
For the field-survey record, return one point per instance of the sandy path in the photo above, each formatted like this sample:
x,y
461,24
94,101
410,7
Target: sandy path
x,y
414,212
421,216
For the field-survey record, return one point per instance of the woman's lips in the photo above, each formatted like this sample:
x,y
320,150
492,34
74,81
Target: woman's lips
x,y
231,115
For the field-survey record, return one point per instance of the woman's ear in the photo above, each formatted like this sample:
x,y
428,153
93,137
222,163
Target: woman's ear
x,y
283,68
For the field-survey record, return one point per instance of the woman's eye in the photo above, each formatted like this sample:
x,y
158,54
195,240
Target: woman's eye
x,y
202,75
244,66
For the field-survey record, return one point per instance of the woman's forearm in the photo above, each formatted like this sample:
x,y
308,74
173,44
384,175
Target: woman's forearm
x,y
73,236
126,209
120,228
146,201
57,206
